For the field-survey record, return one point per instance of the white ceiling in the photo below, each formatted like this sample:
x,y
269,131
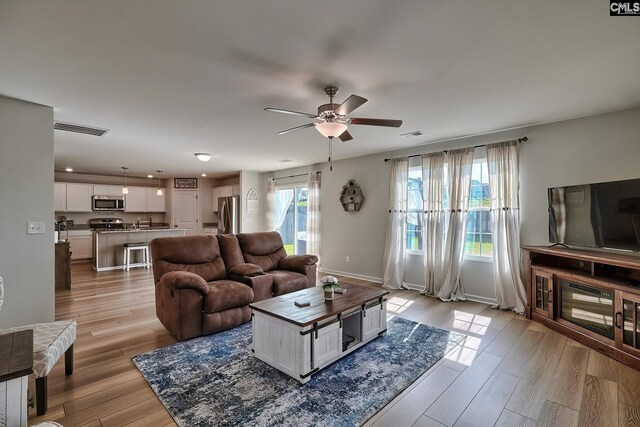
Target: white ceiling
x,y
171,78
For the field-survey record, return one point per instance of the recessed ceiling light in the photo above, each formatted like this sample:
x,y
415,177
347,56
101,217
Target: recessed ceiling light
x,y
203,174
69,169
285,161
149,176
203,157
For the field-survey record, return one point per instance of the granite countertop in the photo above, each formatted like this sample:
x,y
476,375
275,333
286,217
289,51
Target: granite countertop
x,y
138,230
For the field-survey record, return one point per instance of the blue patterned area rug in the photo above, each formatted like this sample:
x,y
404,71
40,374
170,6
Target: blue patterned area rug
x,y
216,381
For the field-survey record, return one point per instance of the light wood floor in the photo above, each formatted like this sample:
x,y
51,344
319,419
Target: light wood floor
x,y
508,371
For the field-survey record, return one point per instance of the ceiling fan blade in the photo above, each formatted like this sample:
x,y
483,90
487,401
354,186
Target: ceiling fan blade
x,y
350,104
297,113
345,136
308,125
376,122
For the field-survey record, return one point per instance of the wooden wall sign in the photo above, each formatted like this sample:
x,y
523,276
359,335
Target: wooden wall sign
x,y
185,183
351,196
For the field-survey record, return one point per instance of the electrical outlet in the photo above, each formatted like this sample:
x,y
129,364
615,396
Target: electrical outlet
x,y
35,227
348,258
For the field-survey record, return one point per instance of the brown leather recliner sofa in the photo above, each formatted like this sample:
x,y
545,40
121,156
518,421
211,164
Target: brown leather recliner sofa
x,y
204,284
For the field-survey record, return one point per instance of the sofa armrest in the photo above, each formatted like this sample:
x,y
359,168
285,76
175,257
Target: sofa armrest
x,y
245,270
297,263
262,285
184,280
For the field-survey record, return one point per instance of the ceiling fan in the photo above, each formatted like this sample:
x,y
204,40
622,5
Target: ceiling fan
x,y
333,117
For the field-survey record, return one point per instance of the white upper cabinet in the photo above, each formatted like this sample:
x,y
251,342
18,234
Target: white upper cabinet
x,y
107,190
224,191
136,200
156,203
79,197
60,197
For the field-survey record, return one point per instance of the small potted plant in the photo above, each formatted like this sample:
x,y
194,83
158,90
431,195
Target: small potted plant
x,y
329,283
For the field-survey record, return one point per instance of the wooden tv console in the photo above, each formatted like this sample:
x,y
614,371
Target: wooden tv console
x,y
616,276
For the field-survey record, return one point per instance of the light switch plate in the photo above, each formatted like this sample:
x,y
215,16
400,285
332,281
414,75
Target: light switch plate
x,y
35,227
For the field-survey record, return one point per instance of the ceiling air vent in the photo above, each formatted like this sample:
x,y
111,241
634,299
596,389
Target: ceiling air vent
x,y
410,134
70,127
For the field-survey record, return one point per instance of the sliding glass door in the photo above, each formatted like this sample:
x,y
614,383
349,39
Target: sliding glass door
x,y
291,218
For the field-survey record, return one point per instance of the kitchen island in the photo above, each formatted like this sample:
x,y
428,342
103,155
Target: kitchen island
x,y
108,245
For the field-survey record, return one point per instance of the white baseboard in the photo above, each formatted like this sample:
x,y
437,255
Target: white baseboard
x,y
351,275
478,298
469,297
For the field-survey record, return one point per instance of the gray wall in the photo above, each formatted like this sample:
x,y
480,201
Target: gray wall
x,y
252,222
580,151
26,194
591,149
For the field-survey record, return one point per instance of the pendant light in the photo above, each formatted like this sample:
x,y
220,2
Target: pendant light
x,y
125,190
159,192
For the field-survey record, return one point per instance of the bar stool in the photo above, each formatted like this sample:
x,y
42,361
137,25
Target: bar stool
x,y
141,246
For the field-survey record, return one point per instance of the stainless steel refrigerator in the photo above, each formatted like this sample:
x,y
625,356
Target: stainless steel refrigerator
x,y
229,215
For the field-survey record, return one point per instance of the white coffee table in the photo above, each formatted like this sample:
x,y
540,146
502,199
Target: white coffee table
x,y
300,341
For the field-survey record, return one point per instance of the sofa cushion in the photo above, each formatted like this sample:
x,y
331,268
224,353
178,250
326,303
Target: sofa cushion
x,y
230,250
263,249
287,281
195,254
226,294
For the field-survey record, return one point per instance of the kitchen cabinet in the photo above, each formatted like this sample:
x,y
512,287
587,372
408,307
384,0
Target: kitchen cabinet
x,y
79,197
136,200
80,244
156,203
107,190
224,191
210,230
60,197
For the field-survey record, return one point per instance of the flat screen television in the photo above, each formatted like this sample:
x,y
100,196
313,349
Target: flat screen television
x,y
601,215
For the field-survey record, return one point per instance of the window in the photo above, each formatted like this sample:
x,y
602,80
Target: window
x,y
414,208
291,216
478,237
478,241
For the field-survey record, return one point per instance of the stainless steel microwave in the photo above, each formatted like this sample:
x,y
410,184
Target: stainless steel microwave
x,y
107,203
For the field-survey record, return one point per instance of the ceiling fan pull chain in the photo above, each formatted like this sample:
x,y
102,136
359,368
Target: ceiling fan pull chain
x,y
331,154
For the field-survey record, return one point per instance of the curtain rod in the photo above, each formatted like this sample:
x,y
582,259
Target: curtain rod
x,y
294,176
523,139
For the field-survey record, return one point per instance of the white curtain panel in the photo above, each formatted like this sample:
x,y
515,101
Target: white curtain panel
x,y
460,163
393,260
313,214
433,222
283,199
502,159
271,204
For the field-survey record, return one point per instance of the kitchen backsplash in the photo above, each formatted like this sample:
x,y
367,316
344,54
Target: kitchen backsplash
x,y
83,218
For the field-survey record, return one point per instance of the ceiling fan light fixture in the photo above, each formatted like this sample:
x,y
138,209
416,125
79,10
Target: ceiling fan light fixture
x,y
203,157
331,129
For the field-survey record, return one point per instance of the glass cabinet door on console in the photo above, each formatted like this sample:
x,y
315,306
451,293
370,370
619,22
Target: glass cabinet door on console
x,y
542,282
628,323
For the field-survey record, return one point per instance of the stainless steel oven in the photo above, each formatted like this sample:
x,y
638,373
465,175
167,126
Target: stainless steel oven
x,y
587,306
107,203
